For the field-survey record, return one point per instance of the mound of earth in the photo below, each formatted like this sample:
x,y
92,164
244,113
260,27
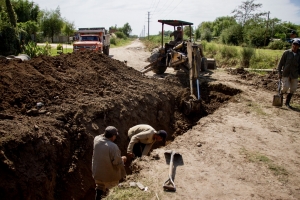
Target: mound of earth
x,y
52,107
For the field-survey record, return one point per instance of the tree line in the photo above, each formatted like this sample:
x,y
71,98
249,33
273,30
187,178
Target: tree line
x,y
247,27
22,21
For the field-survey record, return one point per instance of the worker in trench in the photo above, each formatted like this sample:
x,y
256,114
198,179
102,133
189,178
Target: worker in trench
x,y
107,162
141,138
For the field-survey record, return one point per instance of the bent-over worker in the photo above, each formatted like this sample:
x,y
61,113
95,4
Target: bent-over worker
x,y
142,137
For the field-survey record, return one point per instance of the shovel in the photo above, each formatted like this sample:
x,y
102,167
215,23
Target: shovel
x,y
277,98
169,184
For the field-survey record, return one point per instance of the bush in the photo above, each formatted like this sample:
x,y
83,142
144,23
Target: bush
x,y
113,41
32,50
263,61
278,44
211,49
232,35
121,35
228,52
246,55
9,40
59,47
206,35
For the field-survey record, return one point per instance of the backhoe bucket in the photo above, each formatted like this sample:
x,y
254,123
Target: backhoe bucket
x,y
191,106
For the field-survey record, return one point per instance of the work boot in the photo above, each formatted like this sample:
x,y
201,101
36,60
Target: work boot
x,y
99,194
288,99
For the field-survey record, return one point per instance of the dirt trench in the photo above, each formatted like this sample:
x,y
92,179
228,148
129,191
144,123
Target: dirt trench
x,y
52,107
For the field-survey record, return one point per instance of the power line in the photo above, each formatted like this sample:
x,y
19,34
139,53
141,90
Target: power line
x,y
173,9
152,4
163,7
156,6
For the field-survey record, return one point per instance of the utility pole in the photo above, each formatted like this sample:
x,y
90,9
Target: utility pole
x,y
148,23
267,29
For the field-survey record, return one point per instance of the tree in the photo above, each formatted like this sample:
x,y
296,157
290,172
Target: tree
x,y
205,26
232,35
4,19
205,29
126,29
68,28
197,34
51,23
206,35
30,28
187,30
26,11
247,11
254,33
11,13
222,23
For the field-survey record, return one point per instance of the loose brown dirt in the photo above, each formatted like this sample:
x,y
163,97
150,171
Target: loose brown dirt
x,y
237,147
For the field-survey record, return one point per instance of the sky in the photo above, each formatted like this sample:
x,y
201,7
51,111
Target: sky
x,y
143,15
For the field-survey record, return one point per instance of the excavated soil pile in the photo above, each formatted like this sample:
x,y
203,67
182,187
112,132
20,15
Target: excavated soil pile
x,y
268,81
52,107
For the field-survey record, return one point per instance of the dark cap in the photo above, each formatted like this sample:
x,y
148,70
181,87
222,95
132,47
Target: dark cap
x,y
110,131
296,42
162,134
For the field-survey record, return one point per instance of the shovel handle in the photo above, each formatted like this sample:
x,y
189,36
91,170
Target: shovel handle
x,y
169,184
279,86
171,164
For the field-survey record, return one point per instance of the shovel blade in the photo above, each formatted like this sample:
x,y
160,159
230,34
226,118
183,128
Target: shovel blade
x,y
169,188
277,100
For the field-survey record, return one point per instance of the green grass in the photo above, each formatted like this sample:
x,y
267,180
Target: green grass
x,y
129,193
54,51
256,108
231,56
295,105
117,42
257,157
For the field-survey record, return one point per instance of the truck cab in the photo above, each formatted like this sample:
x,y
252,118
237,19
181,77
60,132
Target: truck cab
x,y
95,39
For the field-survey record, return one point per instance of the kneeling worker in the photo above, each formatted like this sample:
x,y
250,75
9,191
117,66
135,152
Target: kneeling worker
x,y
142,137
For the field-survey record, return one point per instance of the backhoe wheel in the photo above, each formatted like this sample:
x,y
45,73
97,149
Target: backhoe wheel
x,y
154,55
160,67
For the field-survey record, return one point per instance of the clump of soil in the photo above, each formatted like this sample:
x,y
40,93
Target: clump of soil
x,y
52,107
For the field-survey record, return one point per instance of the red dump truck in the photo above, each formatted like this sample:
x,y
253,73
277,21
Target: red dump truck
x,y
95,39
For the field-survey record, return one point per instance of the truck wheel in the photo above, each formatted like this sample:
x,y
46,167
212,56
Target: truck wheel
x,y
107,51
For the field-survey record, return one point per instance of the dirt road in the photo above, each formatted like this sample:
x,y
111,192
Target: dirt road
x,y
247,149
136,56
